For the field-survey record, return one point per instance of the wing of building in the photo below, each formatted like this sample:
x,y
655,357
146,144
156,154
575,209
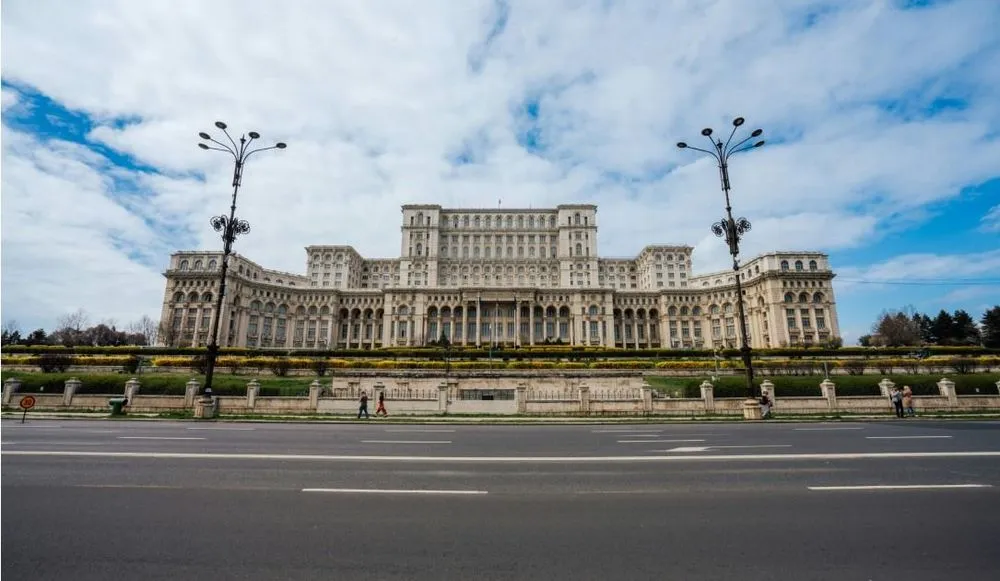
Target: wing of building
x,y
510,277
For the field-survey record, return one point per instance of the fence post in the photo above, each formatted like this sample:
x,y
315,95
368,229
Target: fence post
x,y
647,397
72,384
314,389
190,390
13,384
947,388
443,397
253,389
708,395
885,386
131,388
829,390
522,397
584,398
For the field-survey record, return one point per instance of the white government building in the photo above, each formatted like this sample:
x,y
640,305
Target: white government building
x,y
512,277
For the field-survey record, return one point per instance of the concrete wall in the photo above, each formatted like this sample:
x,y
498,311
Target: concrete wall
x,y
549,395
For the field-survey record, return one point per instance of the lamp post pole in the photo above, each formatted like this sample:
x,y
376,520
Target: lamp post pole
x,y
229,226
732,230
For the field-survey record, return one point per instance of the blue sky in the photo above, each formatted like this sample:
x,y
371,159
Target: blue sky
x,y
882,120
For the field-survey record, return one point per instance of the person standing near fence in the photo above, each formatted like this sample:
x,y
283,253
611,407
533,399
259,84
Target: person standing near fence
x,y
896,397
380,409
908,401
364,405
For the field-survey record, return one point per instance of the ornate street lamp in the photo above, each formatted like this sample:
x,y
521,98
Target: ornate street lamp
x,y
229,226
732,230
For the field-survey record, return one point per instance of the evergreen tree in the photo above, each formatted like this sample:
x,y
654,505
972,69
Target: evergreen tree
x,y
964,329
943,328
991,327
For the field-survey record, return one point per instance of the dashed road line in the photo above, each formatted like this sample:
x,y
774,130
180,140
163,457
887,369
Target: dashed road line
x,y
391,491
900,487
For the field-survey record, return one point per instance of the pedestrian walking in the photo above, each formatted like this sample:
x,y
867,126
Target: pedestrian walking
x,y
908,401
896,397
380,409
364,406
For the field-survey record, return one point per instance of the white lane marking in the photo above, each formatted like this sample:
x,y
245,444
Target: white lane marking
x,y
903,437
225,429
901,487
423,431
824,429
387,491
633,431
158,438
58,443
707,448
405,441
655,441
501,459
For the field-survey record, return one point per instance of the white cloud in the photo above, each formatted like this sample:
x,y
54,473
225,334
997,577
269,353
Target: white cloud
x,y
374,99
991,221
917,268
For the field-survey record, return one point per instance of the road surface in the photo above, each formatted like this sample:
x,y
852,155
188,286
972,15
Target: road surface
x,y
111,500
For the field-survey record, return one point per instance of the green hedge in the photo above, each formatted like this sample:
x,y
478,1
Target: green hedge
x,y
847,385
434,353
156,384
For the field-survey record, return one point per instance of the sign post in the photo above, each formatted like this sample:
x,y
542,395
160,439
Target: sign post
x,y
27,402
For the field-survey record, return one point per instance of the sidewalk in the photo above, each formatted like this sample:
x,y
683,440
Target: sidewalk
x,y
490,419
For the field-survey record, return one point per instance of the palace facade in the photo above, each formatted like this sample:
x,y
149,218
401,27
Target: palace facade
x,y
509,277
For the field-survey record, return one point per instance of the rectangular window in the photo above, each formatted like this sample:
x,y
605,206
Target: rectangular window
x,y
806,323
820,319
593,331
790,316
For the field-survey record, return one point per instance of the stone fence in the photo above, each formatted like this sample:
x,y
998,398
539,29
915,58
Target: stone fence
x,y
622,395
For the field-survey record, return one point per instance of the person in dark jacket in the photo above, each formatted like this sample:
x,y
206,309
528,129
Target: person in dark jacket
x,y
364,406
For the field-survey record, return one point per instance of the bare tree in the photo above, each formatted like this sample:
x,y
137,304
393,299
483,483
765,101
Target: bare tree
x,y
896,328
11,326
167,335
77,321
146,327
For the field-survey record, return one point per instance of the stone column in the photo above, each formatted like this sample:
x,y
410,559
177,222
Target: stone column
x,y
584,398
465,324
131,388
314,389
531,328
253,389
885,386
479,323
829,390
522,398
708,395
71,386
647,397
443,397
13,384
947,389
190,391
517,323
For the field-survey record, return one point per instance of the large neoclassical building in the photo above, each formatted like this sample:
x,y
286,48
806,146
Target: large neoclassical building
x,y
511,277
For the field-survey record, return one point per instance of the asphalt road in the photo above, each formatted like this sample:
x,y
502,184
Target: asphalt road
x,y
170,500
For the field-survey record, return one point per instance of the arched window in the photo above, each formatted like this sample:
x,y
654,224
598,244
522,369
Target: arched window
x,y
672,311
576,217
184,265
798,265
212,264
465,222
178,297
803,298
420,249
477,222
579,249
812,265
197,265
207,297
789,297
818,297
784,266
696,311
